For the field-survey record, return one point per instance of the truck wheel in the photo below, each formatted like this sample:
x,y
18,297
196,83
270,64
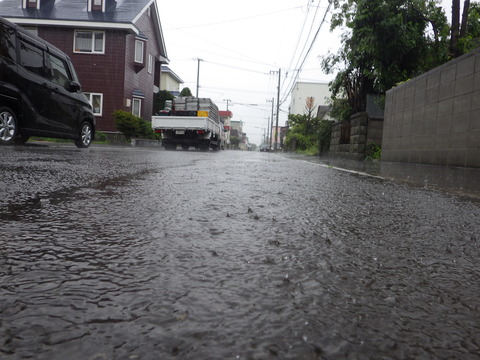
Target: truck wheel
x,y
204,145
86,135
170,147
185,147
8,126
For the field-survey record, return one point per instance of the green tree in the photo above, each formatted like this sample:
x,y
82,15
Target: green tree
x,y
470,38
387,42
302,134
159,100
459,26
185,92
307,133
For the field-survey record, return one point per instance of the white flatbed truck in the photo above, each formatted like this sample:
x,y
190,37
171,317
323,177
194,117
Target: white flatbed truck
x,y
199,132
190,122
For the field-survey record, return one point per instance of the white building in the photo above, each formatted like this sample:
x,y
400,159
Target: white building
x,y
170,81
304,90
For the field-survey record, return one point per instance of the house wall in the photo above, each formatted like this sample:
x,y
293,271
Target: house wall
x,y
167,82
435,118
142,80
112,74
303,90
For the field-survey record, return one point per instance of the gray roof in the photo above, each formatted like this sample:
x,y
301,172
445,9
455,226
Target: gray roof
x,y
166,69
118,14
119,11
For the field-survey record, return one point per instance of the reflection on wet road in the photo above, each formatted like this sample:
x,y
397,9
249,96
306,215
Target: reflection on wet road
x,y
145,254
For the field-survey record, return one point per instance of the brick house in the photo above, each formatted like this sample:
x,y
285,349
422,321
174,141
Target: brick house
x,y
116,46
226,118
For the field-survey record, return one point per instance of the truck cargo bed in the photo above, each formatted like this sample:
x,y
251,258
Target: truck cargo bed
x,y
189,131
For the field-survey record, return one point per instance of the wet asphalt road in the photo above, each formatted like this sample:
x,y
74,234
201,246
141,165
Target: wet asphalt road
x,y
124,253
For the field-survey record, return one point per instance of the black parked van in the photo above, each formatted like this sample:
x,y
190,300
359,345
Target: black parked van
x,y
39,91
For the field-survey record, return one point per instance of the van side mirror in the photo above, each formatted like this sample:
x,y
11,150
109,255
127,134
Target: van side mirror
x,y
72,86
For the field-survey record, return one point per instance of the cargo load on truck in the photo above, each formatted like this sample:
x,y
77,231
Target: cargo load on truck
x,y
190,122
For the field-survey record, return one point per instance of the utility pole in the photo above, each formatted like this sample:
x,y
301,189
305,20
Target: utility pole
x,y
278,108
270,125
198,74
269,133
227,100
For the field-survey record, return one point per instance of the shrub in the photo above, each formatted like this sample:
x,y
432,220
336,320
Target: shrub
x,y
373,151
100,136
132,126
298,141
325,135
311,151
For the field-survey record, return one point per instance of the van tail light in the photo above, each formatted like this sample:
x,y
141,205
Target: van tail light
x,y
158,131
201,132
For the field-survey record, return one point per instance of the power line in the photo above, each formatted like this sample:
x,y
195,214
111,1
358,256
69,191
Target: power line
x,y
297,69
300,34
229,50
237,67
308,53
238,19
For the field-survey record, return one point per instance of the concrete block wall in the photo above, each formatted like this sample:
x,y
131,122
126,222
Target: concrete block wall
x,y
435,118
375,131
363,131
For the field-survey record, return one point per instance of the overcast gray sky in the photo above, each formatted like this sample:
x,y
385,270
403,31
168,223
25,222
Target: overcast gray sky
x,y
242,45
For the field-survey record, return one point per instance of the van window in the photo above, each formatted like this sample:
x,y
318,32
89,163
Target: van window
x,y
31,58
7,42
59,70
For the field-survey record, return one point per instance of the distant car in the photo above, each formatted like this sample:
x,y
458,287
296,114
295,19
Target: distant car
x,y
39,91
264,148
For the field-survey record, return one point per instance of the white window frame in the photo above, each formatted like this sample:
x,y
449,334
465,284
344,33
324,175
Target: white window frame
x,y
93,33
95,3
139,102
142,52
150,63
90,96
91,5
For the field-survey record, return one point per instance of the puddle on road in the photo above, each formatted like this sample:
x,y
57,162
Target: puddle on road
x,y
241,260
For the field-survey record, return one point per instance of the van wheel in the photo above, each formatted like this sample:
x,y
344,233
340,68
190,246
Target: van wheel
x,y
8,126
21,139
86,135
